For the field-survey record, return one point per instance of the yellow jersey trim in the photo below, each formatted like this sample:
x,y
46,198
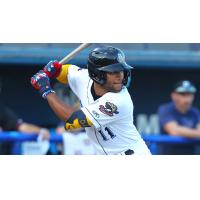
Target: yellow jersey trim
x,y
62,78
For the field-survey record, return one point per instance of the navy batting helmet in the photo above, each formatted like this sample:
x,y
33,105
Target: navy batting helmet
x,y
107,59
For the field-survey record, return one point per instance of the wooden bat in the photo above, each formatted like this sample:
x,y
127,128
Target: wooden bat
x,y
74,52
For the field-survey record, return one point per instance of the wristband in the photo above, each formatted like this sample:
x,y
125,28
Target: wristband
x,y
44,95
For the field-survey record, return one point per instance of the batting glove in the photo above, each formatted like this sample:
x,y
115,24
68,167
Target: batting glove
x,y
53,69
40,81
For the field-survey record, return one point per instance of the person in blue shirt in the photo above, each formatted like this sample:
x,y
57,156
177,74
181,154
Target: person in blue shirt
x,y
180,118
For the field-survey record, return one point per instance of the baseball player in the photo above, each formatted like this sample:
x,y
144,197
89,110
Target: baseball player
x,y
106,107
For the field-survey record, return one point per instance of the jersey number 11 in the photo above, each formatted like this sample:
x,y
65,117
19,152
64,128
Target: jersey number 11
x,y
110,133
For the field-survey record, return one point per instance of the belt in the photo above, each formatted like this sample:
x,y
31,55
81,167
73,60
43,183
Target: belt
x,y
128,152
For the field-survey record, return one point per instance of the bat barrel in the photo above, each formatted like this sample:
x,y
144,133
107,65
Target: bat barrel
x,y
74,53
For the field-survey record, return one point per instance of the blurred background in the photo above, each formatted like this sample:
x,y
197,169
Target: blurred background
x,y
157,68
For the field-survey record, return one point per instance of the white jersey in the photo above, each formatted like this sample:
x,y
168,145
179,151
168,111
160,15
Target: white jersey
x,y
113,131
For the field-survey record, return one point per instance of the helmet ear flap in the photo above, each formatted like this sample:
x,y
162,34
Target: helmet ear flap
x,y
127,74
101,79
96,75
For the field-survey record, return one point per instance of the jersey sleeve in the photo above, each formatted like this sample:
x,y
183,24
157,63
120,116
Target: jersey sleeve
x,y
71,75
63,76
106,110
165,116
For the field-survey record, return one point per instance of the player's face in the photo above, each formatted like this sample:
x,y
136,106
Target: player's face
x,y
183,101
114,81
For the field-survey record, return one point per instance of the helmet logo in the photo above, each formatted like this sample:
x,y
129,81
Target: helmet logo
x,y
120,58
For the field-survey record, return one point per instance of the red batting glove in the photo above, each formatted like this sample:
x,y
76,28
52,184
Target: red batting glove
x,y
53,69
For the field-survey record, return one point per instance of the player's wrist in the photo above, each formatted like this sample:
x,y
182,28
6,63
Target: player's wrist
x,y
46,93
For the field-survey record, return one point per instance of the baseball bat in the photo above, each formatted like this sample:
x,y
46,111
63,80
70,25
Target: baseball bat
x,y
74,53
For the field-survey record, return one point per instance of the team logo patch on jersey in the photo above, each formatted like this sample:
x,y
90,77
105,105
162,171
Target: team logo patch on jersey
x,y
109,109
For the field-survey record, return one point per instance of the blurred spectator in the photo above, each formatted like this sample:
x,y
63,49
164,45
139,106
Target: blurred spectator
x,y
180,118
9,121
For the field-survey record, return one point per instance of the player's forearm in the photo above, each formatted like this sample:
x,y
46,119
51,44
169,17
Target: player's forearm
x,y
186,132
29,128
62,110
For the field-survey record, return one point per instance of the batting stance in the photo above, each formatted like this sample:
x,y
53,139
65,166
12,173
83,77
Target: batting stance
x,y
106,106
